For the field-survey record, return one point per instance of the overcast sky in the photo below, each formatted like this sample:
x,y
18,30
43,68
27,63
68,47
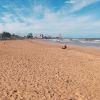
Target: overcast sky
x,y
72,18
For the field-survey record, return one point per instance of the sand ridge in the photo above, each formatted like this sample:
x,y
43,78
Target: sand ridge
x,y
33,70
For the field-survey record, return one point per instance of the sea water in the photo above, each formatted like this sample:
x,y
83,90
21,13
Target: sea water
x,y
78,42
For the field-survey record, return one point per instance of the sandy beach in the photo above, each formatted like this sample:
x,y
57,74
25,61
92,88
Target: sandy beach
x,y
34,70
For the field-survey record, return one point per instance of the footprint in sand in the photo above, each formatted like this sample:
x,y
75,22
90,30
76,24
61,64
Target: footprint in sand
x,y
77,96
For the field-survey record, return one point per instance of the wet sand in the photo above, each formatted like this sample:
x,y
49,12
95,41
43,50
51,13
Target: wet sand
x,y
34,70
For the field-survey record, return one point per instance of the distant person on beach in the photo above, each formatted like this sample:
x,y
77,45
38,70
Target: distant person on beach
x,y
64,47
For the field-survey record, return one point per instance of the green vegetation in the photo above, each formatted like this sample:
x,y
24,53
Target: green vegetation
x,y
30,35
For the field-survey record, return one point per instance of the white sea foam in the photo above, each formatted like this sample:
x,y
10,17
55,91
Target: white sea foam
x,y
90,41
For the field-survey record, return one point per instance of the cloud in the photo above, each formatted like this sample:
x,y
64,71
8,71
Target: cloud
x,y
51,22
70,2
79,4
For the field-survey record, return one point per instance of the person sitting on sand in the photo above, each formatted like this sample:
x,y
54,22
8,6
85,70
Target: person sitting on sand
x,y
64,47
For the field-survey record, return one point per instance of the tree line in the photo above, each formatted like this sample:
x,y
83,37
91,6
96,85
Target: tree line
x,y
7,35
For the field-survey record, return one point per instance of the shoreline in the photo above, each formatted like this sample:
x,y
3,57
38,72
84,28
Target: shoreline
x,y
61,44
73,44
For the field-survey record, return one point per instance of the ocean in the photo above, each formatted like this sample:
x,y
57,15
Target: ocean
x,y
77,42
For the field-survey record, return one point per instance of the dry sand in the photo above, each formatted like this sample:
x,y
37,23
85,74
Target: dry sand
x,y
31,70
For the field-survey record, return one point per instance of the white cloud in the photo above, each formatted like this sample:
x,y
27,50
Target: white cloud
x,y
52,23
70,1
1,28
79,4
